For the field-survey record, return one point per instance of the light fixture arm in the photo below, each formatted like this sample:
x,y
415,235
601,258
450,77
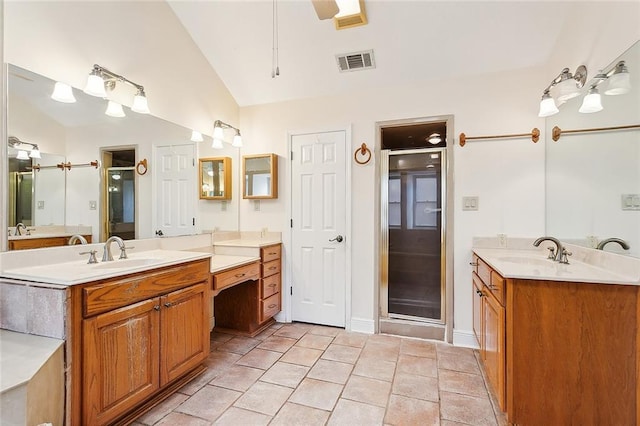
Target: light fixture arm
x,y
14,141
224,125
580,76
603,75
112,77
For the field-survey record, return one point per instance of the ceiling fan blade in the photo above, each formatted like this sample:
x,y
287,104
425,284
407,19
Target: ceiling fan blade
x,y
325,9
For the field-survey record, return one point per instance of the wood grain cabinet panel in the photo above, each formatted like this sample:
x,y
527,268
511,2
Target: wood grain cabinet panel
x,y
33,243
236,276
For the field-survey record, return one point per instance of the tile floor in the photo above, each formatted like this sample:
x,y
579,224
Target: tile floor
x,y
300,374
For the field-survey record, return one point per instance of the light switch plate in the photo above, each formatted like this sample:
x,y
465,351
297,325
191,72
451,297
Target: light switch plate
x,y
41,205
630,201
223,206
470,203
256,205
93,205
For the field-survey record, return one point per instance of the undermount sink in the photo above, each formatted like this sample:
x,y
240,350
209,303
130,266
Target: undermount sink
x,y
126,263
522,260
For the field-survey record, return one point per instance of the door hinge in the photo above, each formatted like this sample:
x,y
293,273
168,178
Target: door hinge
x,y
291,292
291,223
194,221
291,155
193,162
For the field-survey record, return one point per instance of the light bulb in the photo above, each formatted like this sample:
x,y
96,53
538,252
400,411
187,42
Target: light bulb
x,y
547,106
217,143
140,103
63,93
592,102
114,109
95,85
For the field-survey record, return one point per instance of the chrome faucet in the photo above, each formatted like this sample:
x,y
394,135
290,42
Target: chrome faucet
x,y
77,237
559,250
623,243
106,255
18,227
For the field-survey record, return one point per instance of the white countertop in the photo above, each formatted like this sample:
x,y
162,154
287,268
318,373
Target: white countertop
x,y
222,262
534,265
77,272
22,355
248,242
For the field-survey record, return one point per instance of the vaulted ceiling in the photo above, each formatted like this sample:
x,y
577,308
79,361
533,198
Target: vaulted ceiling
x,y
413,42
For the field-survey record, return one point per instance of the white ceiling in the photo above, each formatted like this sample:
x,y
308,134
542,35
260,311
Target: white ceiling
x,y
413,42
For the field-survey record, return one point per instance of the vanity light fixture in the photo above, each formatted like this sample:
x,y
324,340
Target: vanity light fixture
x,y
619,80
62,92
218,135
101,79
22,154
196,136
565,86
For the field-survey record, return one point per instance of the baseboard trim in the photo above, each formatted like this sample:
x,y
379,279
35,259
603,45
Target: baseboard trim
x,y
361,325
465,338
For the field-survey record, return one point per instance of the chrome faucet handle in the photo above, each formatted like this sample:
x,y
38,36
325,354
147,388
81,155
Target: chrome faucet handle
x,y
563,258
552,253
123,252
92,255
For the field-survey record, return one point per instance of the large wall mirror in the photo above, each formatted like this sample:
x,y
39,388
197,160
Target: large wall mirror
x,y
260,176
590,175
78,133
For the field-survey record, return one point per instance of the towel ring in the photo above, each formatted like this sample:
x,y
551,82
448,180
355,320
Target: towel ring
x,y
141,168
363,150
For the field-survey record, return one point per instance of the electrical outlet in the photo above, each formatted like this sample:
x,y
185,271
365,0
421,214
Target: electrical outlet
x,y
263,232
93,205
502,240
40,205
223,206
470,203
256,205
592,240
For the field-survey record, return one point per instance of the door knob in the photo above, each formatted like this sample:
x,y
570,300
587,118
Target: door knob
x,y
339,238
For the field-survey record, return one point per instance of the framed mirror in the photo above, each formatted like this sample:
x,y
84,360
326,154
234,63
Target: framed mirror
x,y
215,178
260,176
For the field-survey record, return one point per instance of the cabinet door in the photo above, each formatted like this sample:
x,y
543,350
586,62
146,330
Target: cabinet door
x,y
120,360
493,353
185,333
477,308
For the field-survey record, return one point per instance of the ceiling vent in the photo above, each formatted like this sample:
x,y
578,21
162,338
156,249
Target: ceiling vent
x,y
356,61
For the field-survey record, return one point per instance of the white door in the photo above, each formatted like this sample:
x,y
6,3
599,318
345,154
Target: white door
x,y
318,202
175,177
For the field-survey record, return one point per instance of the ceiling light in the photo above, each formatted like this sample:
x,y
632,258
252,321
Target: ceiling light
x,y
22,155
592,102
196,136
114,109
62,92
347,7
218,135
35,152
115,176
620,81
547,106
351,14
210,172
434,138
140,103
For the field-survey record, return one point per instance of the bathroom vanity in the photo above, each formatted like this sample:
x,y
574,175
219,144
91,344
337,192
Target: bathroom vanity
x,y
560,344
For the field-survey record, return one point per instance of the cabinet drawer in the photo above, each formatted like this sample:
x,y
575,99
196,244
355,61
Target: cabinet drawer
x,y
474,263
236,276
270,253
115,293
269,307
270,285
496,286
484,272
270,268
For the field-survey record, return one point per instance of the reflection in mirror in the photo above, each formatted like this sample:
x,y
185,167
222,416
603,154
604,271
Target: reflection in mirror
x,y
260,176
590,176
215,178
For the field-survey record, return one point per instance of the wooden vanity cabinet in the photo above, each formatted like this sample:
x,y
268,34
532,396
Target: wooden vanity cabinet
x,y
33,243
133,350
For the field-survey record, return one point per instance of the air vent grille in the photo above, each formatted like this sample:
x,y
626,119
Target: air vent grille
x,y
356,61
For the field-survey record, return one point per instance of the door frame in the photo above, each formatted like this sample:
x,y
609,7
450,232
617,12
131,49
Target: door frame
x,y
447,218
288,236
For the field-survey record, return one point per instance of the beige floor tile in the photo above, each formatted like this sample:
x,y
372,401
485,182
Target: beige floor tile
x,y
265,398
200,381
292,330
277,343
238,377
179,419
331,371
385,340
239,345
417,365
444,422
355,413
376,369
217,358
464,383
466,409
299,415
282,373
367,390
348,338
208,403
341,353
315,341
465,362
220,337
457,350
411,411
265,334
380,352
414,386
325,330
259,358
418,348
317,394
301,356
237,416
162,409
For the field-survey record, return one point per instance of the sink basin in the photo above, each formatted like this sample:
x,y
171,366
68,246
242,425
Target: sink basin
x,y
531,261
125,263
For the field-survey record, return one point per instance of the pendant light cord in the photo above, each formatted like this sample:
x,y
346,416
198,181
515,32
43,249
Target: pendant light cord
x,y
275,68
